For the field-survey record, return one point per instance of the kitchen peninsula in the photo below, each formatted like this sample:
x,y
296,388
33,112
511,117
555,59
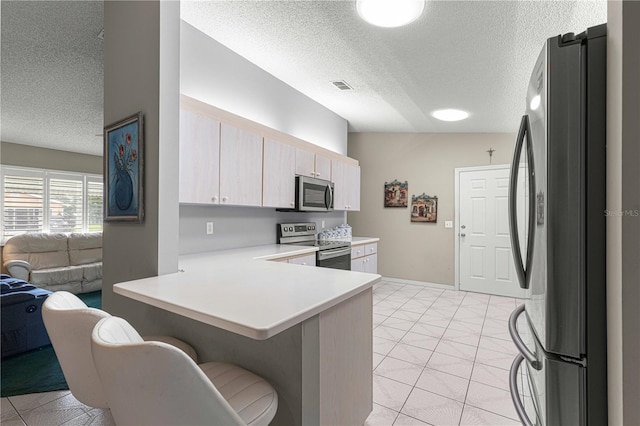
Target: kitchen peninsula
x,y
306,330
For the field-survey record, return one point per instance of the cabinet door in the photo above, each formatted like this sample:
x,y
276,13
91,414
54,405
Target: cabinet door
x,y
338,174
199,159
278,174
357,265
240,167
305,163
371,264
353,187
323,167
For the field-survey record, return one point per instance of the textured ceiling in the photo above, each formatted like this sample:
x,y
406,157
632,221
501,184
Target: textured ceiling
x,y
52,75
473,55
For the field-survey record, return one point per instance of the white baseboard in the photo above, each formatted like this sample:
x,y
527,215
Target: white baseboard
x,y
420,283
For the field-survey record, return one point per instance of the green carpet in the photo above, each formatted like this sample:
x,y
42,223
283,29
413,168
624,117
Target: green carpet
x,y
38,370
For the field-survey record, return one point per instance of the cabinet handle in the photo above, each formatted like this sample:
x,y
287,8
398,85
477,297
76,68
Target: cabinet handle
x,y
317,174
214,199
293,203
313,174
224,199
304,263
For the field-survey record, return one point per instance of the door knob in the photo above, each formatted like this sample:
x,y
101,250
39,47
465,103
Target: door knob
x,y
463,227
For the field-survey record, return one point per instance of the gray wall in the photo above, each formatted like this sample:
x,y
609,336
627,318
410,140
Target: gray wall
x,y
144,35
416,251
623,199
13,154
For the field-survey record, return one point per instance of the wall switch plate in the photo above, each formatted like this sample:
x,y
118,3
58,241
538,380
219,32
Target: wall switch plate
x,y
448,224
209,228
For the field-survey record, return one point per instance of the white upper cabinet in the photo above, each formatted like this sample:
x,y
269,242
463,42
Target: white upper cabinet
x,y
311,164
240,167
228,160
279,172
199,159
323,167
346,179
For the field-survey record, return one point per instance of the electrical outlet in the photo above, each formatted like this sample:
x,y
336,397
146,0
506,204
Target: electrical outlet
x,y
448,224
209,228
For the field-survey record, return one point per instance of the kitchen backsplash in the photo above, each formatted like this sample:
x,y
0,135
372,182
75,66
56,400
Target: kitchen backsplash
x,y
235,227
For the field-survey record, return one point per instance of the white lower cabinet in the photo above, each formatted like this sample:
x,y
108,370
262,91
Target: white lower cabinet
x,y
308,260
364,258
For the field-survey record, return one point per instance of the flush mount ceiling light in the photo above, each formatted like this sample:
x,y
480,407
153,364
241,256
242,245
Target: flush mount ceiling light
x,y
450,114
389,13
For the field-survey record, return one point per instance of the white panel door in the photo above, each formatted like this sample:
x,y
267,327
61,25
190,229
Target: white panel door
x,y
240,167
278,175
486,262
199,159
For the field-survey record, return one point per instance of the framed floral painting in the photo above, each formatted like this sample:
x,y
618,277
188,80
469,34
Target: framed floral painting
x,y
424,208
123,170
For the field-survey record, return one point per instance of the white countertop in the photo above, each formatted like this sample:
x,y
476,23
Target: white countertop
x,y
356,241
238,291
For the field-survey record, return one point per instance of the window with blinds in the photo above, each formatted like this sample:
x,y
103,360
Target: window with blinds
x,y
34,200
23,204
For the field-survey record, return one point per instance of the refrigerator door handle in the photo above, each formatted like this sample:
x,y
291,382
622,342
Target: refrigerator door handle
x,y
523,271
517,340
513,390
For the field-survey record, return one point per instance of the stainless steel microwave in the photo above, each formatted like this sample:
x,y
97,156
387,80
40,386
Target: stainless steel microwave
x,y
313,195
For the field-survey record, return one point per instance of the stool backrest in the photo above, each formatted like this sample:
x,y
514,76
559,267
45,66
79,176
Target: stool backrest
x,y
154,383
69,323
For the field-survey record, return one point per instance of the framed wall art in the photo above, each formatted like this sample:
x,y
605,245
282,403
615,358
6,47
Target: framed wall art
x,y
424,208
124,170
395,193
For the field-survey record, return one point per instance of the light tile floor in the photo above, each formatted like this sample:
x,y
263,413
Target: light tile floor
x,y
440,357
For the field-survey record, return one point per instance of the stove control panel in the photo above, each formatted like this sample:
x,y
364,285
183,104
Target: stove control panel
x,y
296,229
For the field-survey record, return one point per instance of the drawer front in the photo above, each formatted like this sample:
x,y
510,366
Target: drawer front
x,y
308,260
370,249
357,251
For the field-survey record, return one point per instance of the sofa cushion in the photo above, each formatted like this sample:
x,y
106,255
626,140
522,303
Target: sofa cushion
x,y
54,276
40,250
85,248
92,272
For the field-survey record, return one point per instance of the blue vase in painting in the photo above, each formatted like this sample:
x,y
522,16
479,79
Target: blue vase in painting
x,y
123,189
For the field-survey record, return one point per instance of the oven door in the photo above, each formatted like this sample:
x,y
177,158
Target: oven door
x,y
339,258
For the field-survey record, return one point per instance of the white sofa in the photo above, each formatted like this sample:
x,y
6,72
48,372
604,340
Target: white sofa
x,y
71,262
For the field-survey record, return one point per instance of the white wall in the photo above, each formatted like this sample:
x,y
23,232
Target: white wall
x,y
214,74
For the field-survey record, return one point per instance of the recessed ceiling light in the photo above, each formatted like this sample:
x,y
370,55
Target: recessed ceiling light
x,y
450,114
389,13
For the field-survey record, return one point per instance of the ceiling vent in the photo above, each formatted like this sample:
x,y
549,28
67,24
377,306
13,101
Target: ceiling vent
x,y
342,85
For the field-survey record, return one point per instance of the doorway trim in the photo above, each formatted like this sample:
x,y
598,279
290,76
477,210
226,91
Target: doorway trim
x,y
456,203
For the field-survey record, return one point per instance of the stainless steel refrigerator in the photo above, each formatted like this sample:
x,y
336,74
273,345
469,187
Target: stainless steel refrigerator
x,y
560,371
